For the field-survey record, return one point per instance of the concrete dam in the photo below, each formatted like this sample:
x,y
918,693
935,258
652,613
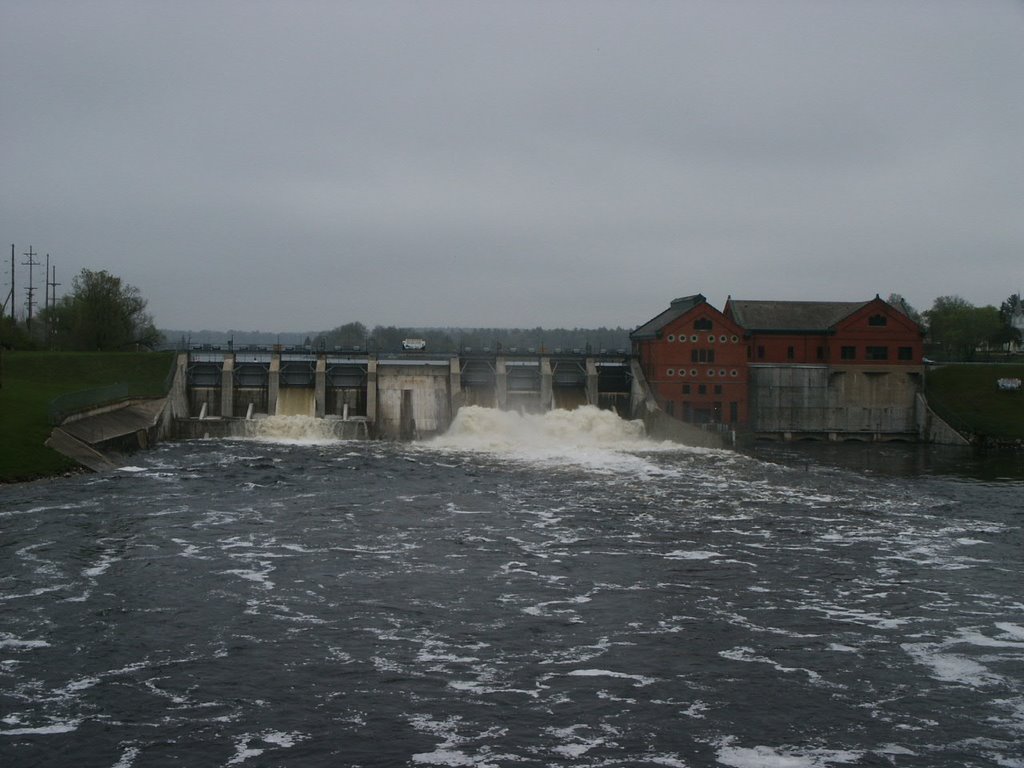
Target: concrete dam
x,y
401,396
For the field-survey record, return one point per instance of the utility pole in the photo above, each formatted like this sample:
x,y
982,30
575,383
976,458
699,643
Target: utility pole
x,y
51,302
30,303
10,296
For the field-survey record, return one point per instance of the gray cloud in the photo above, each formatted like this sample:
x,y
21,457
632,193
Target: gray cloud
x,y
296,166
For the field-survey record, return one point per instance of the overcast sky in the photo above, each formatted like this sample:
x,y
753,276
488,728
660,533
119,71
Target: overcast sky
x,y
298,165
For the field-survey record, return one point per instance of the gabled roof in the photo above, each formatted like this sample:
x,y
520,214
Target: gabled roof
x,y
791,315
677,309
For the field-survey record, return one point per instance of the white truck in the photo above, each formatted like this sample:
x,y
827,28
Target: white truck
x,y
414,345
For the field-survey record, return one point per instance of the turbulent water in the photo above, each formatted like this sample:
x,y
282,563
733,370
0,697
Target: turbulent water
x,y
525,591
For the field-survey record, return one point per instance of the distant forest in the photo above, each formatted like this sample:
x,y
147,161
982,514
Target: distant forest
x,y
389,338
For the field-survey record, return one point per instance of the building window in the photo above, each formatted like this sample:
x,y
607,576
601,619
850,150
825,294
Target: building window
x,y
906,353
702,389
734,373
702,324
682,371
760,352
722,373
718,389
711,339
735,339
671,337
878,320
671,371
877,353
693,371
790,353
711,371
848,353
821,353
686,389
723,338
694,338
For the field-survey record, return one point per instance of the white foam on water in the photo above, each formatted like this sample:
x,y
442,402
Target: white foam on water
x,y
586,437
44,730
785,757
16,643
280,739
292,430
101,567
748,655
682,554
638,680
1013,630
951,667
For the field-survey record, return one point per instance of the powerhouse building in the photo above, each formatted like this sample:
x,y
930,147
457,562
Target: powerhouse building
x,y
791,369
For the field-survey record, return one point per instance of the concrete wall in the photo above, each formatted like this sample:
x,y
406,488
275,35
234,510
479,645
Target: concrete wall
x,y
659,425
933,429
412,401
834,402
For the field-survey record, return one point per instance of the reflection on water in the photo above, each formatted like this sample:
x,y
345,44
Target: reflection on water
x,y
899,459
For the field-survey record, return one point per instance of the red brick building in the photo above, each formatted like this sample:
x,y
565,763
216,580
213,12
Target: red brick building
x,y
695,362
786,367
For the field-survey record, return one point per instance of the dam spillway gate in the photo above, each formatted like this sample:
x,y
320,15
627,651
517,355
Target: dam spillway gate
x,y
392,396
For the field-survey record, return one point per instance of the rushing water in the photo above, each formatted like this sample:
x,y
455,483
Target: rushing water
x,y
525,591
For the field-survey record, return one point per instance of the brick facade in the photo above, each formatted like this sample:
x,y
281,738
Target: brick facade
x,y
816,367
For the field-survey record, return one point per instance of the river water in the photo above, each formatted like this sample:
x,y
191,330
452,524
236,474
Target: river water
x,y
525,591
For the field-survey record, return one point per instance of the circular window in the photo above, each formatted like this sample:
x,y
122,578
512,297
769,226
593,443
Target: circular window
x,y
711,339
671,337
722,372
722,338
693,371
711,371
733,372
682,371
735,339
671,371
693,338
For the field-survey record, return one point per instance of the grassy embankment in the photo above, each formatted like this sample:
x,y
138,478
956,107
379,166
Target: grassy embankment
x,y
967,397
30,380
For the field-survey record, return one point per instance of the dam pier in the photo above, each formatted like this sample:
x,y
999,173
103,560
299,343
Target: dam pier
x,y
401,396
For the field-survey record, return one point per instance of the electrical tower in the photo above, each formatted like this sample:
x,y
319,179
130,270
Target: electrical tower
x,y
30,290
51,297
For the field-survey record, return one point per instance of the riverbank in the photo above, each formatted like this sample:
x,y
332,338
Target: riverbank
x,y
30,381
969,399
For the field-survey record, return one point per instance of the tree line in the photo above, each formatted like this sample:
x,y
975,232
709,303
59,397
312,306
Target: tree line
x,y
102,312
462,340
959,330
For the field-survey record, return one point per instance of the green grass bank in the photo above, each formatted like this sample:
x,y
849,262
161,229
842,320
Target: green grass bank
x,y
967,397
29,381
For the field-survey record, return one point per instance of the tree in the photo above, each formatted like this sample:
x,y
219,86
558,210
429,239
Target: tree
x,y
347,335
1011,314
101,313
897,300
958,327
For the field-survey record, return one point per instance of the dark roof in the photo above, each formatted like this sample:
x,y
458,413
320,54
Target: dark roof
x,y
678,308
791,315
